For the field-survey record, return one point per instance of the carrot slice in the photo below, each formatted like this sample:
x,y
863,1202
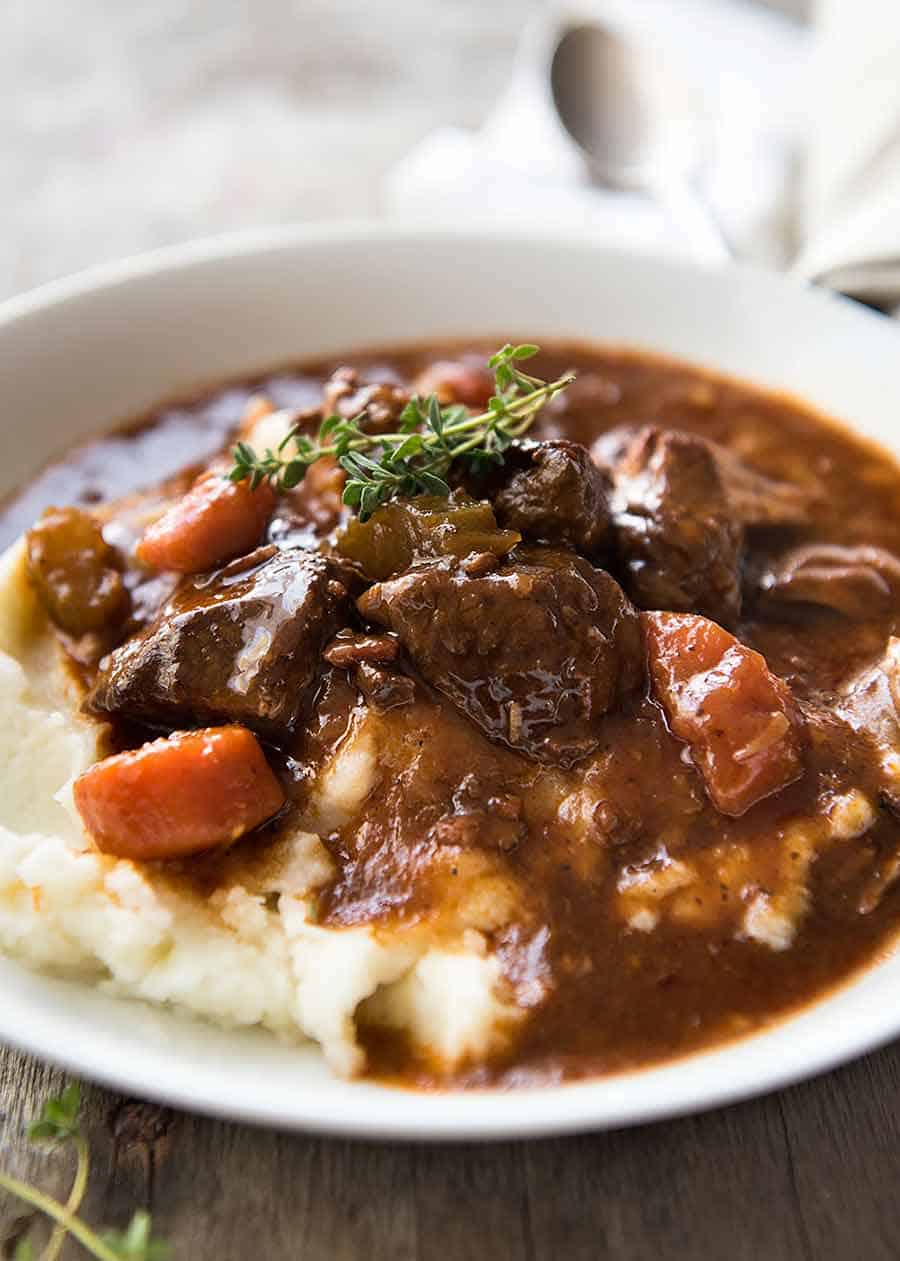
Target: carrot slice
x,y
187,792
743,727
214,522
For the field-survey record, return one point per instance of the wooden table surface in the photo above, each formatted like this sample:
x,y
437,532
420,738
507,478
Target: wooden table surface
x,y
810,1174
137,125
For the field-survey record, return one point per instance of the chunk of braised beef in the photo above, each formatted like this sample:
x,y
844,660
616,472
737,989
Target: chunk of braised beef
x,y
243,644
859,582
148,592
869,702
370,659
534,652
755,500
758,500
677,539
349,648
377,403
384,688
739,720
552,492
870,699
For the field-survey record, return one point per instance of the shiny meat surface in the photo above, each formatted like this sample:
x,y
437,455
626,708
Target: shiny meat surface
x,y
243,644
856,582
373,663
535,652
757,500
554,493
679,542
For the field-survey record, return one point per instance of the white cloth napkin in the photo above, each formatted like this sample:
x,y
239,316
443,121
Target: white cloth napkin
x,y
851,205
772,94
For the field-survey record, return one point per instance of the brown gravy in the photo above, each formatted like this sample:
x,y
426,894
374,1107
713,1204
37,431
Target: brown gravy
x,y
612,998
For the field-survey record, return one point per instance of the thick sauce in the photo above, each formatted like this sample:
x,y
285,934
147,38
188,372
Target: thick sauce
x,y
607,995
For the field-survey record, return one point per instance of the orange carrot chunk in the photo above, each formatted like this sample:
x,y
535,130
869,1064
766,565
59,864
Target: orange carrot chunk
x,y
740,721
214,522
187,792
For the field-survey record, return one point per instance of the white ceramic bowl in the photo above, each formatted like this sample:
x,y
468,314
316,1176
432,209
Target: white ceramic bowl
x,y
79,355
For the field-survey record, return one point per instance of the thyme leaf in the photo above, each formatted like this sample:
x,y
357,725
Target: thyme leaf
x,y
58,1126
417,457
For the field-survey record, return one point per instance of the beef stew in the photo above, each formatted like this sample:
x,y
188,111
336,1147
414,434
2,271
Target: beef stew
x,y
642,672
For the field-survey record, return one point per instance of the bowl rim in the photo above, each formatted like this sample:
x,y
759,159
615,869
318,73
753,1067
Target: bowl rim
x,y
260,240
706,1079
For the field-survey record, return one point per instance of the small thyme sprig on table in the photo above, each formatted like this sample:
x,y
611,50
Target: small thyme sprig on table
x,y
414,460
58,1125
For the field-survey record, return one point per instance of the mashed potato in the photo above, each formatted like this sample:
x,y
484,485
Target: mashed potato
x,y
246,955
252,953
720,887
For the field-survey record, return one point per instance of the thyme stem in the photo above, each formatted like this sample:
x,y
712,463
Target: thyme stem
x,y
60,1214
73,1203
414,459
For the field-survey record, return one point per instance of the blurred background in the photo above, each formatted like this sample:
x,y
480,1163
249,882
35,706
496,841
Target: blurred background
x,y
128,125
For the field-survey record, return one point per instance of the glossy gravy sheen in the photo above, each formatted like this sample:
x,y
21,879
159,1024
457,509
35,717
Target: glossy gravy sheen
x,y
611,997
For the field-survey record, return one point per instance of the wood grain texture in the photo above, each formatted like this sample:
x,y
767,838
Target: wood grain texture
x,y
809,1174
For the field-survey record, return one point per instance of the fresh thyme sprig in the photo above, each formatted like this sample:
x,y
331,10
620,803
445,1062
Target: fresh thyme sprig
x,y
416,459
58,1125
